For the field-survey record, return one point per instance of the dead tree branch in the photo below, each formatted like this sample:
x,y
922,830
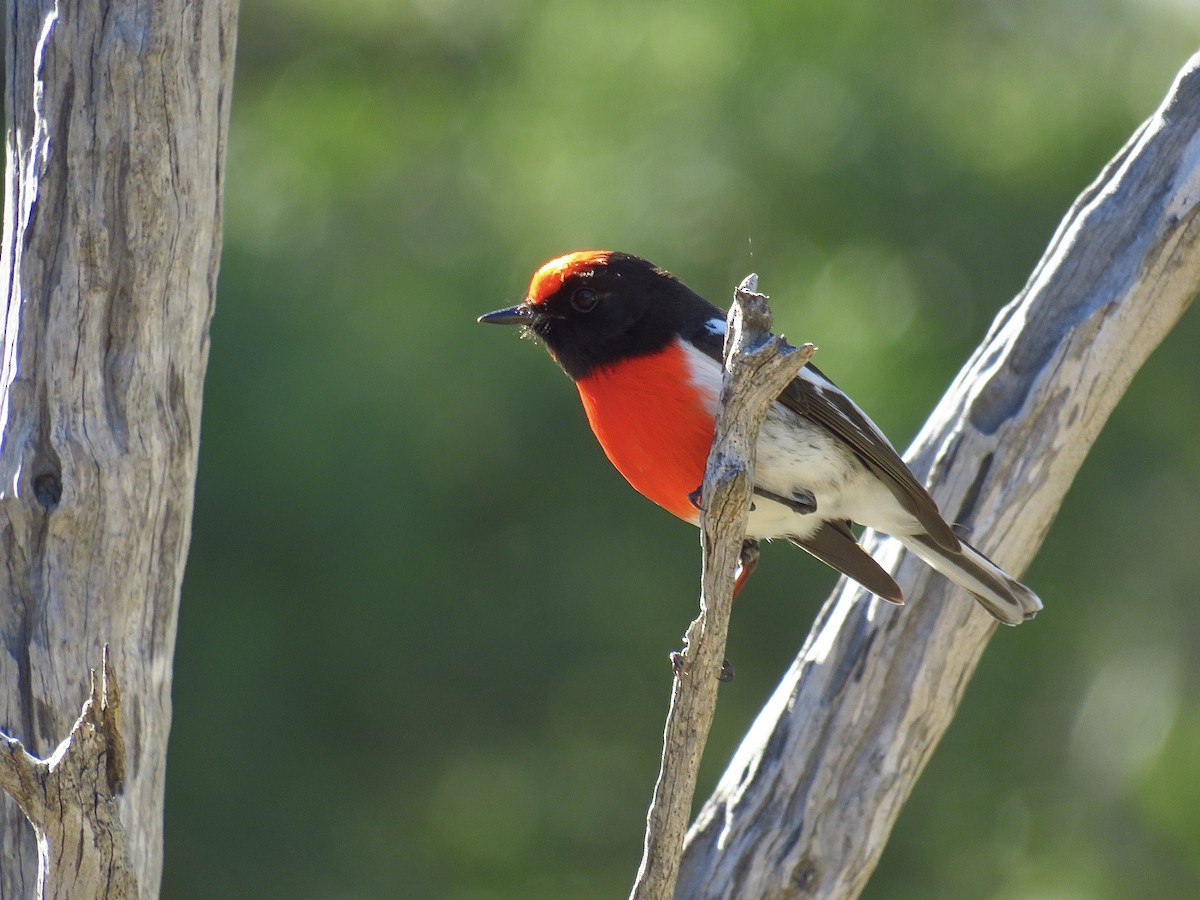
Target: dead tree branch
x,y
70,799
757,367
808,801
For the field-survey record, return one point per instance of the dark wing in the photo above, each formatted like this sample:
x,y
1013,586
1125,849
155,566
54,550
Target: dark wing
x,y
819,400
836,546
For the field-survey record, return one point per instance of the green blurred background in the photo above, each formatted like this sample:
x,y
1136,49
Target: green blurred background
x,y
423,646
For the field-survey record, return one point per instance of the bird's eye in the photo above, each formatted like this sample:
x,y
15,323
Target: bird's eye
x,y
584,299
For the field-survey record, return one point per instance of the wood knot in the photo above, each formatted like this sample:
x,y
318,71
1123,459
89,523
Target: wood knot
x,y
805,875
47,489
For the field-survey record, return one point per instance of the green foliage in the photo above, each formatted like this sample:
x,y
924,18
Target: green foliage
x,y
423,644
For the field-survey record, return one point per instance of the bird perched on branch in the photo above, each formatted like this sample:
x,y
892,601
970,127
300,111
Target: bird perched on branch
x,y
644,350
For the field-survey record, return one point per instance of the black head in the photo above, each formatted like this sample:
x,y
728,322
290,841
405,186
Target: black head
x,y
593,308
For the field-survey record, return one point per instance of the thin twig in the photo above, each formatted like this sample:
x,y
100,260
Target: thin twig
x,y
757,367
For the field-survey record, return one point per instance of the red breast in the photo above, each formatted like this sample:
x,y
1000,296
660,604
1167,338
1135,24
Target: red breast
x,y
654,423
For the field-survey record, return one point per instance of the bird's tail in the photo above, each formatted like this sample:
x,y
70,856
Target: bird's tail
x,y
1001,595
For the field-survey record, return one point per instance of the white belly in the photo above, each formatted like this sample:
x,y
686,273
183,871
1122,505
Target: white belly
x,y
795,455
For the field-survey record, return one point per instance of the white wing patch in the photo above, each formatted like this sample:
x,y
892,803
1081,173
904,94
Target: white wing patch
x,y
715,326
825,387
819,382
705,371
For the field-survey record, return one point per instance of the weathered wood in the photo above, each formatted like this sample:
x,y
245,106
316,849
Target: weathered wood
x,y
757,367
70,800
808,801
116,122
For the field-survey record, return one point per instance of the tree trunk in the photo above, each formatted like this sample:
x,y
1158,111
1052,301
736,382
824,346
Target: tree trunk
x,y
806,805
117,116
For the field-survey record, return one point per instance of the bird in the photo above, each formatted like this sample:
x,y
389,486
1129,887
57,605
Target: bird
x,y
645,353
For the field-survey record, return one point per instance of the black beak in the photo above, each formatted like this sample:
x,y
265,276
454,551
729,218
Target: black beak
x,y
514,315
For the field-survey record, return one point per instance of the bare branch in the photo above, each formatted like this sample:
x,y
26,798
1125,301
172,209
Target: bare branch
x,y
70,799
757,367
806,805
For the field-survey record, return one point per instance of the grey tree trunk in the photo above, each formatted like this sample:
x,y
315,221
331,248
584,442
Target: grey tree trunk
x,y
116,122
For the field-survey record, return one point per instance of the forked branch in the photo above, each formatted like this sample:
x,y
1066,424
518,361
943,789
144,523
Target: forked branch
x,y
70,799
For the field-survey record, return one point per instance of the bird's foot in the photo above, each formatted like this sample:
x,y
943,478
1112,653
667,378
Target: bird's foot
x,y
801,501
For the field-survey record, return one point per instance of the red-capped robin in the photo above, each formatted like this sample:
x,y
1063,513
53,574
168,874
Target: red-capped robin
x,y
644,351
